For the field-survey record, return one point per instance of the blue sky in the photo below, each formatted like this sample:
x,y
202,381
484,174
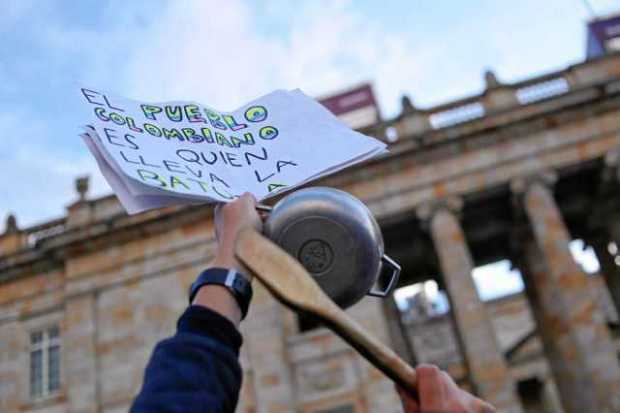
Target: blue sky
x,y
225,53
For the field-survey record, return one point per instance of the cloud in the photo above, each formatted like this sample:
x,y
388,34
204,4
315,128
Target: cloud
x,y
224,58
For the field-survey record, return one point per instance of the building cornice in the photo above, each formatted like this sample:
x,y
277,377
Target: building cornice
x,y
51,253
53,249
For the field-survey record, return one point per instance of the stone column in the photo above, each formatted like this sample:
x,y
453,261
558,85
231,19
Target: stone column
x,y
573,331
487,368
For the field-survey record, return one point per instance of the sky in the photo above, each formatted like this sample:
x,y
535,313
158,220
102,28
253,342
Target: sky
x,y
224,54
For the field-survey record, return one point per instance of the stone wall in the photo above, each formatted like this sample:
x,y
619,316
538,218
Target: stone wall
x,y
116,284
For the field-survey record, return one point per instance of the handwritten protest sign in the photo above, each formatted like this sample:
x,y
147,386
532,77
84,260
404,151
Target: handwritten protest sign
x,y
159,154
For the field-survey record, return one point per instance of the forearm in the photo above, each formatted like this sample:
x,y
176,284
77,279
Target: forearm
x,y
198,369
219,298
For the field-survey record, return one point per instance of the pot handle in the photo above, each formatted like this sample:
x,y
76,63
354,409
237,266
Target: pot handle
x,y
264,208
393,280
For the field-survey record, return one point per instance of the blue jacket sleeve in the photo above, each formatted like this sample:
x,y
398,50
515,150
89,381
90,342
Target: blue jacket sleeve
x,y
196,370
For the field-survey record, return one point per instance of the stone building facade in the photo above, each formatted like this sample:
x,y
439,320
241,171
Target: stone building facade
x,y
515,173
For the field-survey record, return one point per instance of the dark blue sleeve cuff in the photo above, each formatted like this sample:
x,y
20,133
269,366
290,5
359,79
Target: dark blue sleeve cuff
x,y
208,323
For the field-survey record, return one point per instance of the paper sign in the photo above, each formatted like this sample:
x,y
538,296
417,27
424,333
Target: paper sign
x,y
160,154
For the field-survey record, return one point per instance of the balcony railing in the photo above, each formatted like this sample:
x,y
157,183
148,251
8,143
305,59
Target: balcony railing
x,y
39,232
498,98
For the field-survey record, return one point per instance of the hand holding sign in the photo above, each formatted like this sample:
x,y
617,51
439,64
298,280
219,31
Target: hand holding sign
x,y
155,155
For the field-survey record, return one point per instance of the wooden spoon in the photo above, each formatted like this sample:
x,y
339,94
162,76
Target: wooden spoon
x,y
291,284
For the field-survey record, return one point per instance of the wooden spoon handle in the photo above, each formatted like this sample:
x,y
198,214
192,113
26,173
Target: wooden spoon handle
x,y
377,353
291,284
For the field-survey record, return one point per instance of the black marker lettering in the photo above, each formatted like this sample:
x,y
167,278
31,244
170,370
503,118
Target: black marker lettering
x,y
128,160
110,105
259,179
281,164
89,94
214,178
132,144
232,157
209,161
253,155
108,134
188,155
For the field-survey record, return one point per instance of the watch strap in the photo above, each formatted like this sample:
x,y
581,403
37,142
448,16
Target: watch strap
x,y
236,283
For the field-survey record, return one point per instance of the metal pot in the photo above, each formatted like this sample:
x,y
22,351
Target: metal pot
x,y
336,238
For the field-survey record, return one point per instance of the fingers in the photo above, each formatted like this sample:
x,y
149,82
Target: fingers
x,y
410,404
230,218
450,385
431,388
245,205
242,206
247,199
439,393
485,407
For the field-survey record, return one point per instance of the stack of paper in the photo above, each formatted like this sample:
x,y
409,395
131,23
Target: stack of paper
x,y
161,154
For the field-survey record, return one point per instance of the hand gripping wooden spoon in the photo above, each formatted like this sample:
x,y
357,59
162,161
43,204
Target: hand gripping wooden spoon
x,y
291,284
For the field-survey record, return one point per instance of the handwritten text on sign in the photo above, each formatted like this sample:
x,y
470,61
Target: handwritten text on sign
x,y
282,139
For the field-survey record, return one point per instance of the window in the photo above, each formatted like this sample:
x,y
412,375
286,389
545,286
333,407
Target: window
x,y
44,362
307,322
531,393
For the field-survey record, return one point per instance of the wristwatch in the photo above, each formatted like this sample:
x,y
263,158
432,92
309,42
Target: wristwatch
x,y
236,283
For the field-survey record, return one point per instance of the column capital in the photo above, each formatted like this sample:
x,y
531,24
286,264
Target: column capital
x,y
426,211
521,184
611,170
